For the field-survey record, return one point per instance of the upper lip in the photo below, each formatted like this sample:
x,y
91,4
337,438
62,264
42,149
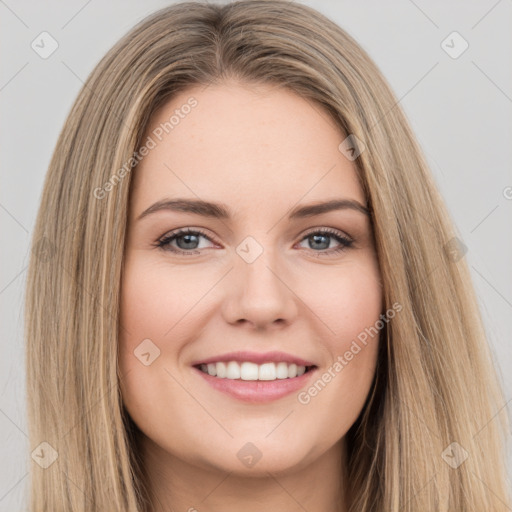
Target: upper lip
x,y
255,357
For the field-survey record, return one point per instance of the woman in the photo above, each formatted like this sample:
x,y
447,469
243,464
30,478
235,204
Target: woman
x,y
189,344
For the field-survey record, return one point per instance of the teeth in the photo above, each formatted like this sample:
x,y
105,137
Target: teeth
x,y
282,371
233,371
251,371
267,371
222,370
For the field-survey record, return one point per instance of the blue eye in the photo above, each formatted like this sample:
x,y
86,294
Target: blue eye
x,y
188,237
188,241
320,236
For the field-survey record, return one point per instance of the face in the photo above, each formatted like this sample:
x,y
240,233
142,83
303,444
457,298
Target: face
x,y
253,277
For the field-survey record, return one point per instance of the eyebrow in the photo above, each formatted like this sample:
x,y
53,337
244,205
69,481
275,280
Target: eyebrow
x,y
221,211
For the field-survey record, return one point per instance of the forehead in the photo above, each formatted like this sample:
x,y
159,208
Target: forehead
x,y
249,146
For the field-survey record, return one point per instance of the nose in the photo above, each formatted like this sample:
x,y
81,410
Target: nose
x,y
259,295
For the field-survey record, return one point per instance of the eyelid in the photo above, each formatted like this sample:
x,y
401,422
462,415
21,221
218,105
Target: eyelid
x,y
344,239
328,229
183,231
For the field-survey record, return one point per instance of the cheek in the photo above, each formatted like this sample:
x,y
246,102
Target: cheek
x,y
155,298
156,318
148,309
349,303
351,308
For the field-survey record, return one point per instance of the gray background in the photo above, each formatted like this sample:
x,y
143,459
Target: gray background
x,y
460,110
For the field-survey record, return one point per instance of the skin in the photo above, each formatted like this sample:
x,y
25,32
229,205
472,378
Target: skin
x,y
262,151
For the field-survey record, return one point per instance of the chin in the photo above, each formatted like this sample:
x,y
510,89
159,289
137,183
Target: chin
x,y
257,459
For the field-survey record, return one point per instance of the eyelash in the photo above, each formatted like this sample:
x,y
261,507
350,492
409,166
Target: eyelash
x,y
164,242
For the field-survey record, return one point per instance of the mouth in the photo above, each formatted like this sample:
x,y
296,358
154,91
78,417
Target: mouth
x,y
249,371
255,383
255,377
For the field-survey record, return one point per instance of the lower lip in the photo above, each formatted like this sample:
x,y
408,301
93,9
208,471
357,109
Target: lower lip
x,y
257,391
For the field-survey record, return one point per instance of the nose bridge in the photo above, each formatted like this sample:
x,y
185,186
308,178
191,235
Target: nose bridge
x,y
259,292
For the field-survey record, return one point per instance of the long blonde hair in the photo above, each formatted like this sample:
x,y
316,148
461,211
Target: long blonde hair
x,y
435,384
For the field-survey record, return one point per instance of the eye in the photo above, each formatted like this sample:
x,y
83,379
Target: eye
x,y
320,239
186,239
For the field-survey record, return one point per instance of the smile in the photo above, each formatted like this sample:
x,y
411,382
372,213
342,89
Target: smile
x,y
256,391
246,370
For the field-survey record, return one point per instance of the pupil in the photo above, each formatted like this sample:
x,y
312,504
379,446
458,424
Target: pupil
x,y
187,239
317,237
